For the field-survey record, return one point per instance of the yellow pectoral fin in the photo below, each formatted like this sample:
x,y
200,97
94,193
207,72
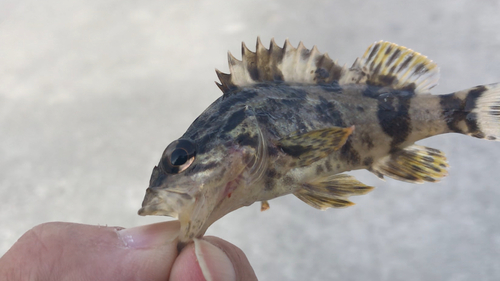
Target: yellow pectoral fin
x,y
312,146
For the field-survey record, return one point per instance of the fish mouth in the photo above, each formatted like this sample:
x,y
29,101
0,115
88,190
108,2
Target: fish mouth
x,y
192,212
165,203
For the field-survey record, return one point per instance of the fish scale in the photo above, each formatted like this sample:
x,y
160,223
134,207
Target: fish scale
x,y
291,121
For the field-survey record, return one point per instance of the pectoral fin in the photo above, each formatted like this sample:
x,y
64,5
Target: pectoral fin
x,y
414,164
312,146
331,192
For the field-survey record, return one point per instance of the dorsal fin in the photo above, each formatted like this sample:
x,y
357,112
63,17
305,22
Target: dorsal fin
x,y
287,64
387,64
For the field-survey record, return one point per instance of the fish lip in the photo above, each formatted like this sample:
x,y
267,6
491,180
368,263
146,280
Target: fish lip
x,y
164,202
146,211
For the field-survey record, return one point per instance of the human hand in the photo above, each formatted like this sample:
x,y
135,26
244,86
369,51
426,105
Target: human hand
x,y
67,251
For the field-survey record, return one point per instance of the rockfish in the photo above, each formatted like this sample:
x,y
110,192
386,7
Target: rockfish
x,y
292,120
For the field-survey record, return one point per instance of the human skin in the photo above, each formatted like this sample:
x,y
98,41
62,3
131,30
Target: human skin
x,y
68,251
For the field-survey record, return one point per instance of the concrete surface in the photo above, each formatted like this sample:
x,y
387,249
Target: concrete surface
x,y
91,92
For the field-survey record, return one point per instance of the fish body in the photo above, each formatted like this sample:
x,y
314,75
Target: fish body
x,y
291,121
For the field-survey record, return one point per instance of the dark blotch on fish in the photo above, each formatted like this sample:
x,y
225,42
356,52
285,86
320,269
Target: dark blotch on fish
x,y
272,150
472,125
254,73
349,154
248,140
287,180
367,140
269,184
455,110
235,119
368,161
319,170
451,105
321,74
395,119
328,165
328,114
472,96
409,88
296,150
271,173
387,79
471,118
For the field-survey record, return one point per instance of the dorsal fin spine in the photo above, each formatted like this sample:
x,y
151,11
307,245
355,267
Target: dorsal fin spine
x,y
313,56
301,67
236,67
225,80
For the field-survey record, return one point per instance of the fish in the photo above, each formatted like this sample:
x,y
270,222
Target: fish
x,y
292,121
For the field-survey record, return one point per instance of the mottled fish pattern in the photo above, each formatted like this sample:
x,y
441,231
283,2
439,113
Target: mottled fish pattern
x,y
292,120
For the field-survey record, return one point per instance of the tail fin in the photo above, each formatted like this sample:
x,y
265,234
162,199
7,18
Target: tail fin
x,y
475,112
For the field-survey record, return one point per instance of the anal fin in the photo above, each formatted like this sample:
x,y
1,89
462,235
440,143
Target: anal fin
x,y
414,164
332,191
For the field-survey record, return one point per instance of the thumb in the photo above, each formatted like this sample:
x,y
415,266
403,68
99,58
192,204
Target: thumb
x,y
67,251
210,259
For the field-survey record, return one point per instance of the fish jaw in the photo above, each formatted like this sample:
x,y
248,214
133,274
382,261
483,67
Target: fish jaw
x,y
198,200
162,202
192,211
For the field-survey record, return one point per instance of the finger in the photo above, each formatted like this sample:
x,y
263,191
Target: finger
x,y
243,269
212,258
66,251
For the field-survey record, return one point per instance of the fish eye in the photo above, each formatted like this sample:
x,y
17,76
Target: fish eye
x,y
178,156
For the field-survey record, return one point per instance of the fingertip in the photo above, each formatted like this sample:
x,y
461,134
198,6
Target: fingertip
x,y
186,267
202,260
212,258
243,269
214,263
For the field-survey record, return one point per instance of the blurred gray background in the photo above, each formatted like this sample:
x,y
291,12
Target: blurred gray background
x,y
91,92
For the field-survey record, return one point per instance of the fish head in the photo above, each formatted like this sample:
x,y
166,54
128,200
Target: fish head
x,y
202,176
